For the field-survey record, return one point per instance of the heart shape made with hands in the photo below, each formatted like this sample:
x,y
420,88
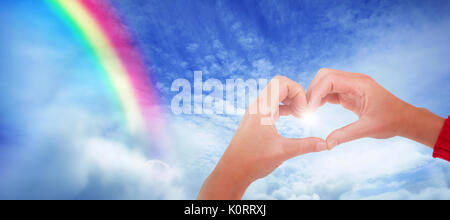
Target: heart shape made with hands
x,y
318,124
296,102
380,114
308,122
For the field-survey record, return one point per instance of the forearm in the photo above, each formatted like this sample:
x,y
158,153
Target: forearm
x,y
225,183
220,188
422,126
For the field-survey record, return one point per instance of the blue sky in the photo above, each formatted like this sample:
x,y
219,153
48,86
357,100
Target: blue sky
x,y
59,120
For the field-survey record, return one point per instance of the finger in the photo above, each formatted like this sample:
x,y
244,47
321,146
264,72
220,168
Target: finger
x,y
281,89
319,75
331,82
331,98
348,133
285,110
294,147
295,99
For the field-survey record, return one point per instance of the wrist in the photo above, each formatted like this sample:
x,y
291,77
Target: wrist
x,y
228,181
233,179
421,125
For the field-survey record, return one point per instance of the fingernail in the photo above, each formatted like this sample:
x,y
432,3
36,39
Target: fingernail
x,y
332,144
321,147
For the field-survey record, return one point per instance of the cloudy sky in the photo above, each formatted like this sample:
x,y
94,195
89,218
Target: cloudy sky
x,y
61,136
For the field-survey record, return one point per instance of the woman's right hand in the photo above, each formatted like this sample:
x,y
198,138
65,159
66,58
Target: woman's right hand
x,y
381,114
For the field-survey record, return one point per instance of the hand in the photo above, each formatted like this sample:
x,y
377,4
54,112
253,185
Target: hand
x,y
257,149
381,114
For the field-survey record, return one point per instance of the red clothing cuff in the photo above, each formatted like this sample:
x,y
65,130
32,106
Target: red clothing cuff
x,y
442,147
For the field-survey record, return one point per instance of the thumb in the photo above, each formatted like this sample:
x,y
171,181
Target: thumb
x,y
348,133
294,147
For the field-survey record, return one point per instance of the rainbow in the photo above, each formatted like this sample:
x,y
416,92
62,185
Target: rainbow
x,y
97,24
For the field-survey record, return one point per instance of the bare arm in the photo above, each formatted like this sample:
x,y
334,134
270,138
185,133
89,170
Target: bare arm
x,y
381,114
257,149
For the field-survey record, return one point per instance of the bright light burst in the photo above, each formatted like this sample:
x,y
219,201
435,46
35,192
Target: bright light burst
x,y
309,118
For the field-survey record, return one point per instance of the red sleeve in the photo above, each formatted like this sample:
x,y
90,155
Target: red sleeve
x,y
442,147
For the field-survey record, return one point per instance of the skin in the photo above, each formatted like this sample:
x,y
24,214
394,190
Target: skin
x,y
257,149
381,114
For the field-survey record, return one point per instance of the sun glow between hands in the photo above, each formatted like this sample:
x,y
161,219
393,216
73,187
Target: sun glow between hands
x,y
309,118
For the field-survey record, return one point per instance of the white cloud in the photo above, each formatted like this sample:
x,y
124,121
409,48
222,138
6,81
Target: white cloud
x,y
442,193
142,178
402,64
262,66
192,47
76,150
369,168
81,161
